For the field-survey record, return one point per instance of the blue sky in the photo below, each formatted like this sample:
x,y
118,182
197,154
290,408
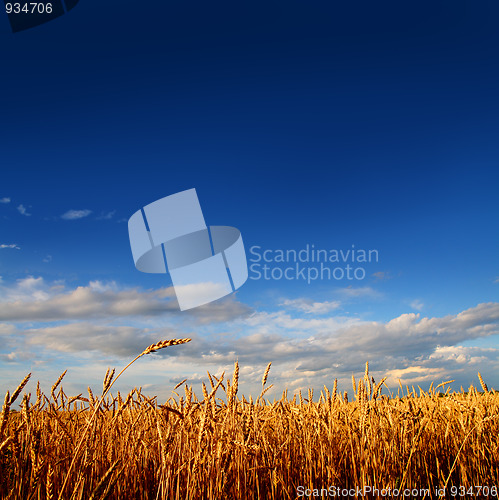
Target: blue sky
x,y
368,125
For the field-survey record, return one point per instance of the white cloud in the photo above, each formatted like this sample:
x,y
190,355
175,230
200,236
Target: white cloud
x,y
101,286
106,216
414,375
417,304
4,200
25,289
220,311
365,291
189,296
12,245
36,303
311,307
76,214
85,336
469,355
6,329
102,322
23,210
382,275
317,349
305,352
32,299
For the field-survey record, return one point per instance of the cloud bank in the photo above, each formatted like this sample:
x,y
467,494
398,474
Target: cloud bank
x,y
309,343
76,214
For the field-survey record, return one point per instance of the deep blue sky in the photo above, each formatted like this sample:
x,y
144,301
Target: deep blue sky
x,y
374,124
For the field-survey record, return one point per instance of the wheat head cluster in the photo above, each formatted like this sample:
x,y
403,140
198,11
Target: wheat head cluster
x,y
220,445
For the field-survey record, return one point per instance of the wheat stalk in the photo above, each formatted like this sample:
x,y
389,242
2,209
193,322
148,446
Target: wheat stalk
x,y
235,380
5,413
152,348
482,383
161,345
9,401
335,388
50,483
266,374
100,488
21,386
54,387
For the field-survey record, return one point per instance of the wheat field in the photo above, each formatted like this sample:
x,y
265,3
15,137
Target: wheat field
x,y
220,445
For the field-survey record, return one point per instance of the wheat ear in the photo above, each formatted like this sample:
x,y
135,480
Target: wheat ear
x,y
482,383
152,348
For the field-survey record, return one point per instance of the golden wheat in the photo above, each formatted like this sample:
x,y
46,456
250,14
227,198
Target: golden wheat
x,y
107,447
